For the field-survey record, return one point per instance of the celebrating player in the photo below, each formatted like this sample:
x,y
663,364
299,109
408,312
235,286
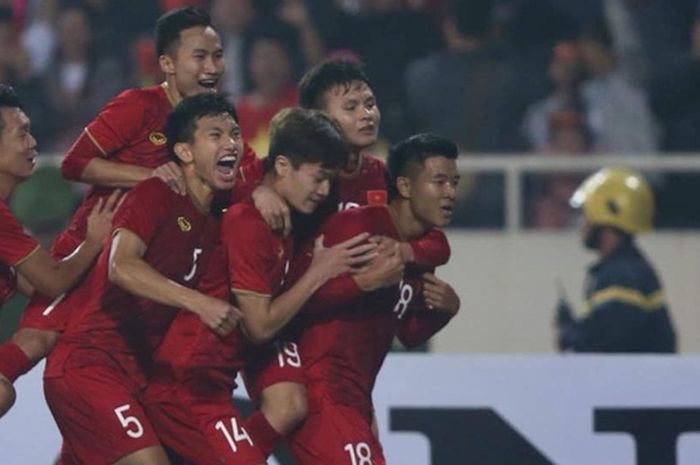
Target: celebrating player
x,y
347,331
23,263
161,243
123,145
189,399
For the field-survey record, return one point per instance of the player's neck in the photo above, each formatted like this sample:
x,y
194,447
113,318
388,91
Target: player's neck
x,y
199,191
171,92
354,165
7,185
408,226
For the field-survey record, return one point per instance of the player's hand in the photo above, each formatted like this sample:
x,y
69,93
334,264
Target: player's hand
x,y
386,269
439,295
329,262
171,174
404,247
218,315
99,222
273,209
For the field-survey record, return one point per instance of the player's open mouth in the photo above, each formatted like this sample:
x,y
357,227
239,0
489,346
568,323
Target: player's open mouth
x,y
369,129
447,210
208,83
225,165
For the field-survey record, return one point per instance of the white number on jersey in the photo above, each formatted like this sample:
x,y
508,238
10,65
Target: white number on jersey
x,y
405,297
347,206
360,453
195,255
128,421
288,354
236,434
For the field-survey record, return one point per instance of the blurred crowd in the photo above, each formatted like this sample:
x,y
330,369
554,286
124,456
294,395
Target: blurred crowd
x,y
554,77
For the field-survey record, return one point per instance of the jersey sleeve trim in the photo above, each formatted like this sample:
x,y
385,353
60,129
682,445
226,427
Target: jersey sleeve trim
x,y
647,302
26,257
94,141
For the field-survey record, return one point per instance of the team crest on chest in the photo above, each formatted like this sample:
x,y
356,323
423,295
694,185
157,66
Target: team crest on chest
x,y
157,138
184,225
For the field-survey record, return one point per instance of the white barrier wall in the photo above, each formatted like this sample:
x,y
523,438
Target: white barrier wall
x,y
507,285
489,410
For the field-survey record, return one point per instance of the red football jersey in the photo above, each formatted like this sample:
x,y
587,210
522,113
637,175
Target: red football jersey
x,y
367,187
258,259
130,130
250,259
414,322
15,247
179,240
347,334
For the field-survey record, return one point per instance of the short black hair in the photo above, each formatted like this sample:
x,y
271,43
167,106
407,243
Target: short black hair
x,y
326,75
10,99
182,121
306,136
409,154
171,24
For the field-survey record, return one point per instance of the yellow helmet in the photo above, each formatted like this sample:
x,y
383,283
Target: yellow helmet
x,y
616,197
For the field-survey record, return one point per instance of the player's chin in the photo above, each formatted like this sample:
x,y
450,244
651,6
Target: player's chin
x,y
224,179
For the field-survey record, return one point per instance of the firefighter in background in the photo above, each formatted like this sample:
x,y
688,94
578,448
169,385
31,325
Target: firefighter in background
x,y
625,309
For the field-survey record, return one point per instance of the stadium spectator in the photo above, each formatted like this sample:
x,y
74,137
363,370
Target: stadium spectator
x,y
617,111
271,52
547,199
566,74
449,92
23,263
625,308
78,81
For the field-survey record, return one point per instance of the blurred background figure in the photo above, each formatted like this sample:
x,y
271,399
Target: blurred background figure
x,y
625,309
79,81
272,65
566,74
547,199
617,110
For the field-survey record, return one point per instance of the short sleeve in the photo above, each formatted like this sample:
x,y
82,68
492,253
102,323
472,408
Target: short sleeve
x,y
250,248
144,209
15,244
118,124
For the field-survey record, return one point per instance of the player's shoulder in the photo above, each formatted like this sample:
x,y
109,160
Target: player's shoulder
x,y
373,163
155,189
241,212
364,216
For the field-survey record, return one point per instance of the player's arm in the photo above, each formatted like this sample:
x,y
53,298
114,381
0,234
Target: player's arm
x,y
264,317
441,305
128,270
42,272
385,269
429,251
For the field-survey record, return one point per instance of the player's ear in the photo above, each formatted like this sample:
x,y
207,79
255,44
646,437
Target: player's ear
x,y
167,64
183,152
403,185
282,165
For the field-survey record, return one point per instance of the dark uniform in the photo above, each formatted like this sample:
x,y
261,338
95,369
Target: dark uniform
x,y
625,308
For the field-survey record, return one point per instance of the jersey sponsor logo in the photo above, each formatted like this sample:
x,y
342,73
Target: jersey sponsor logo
x,y
376,197
157,138
185,226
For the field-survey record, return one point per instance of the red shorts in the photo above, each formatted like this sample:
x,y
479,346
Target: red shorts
x,y
335,434
97,408
202,430
44,312
270,364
